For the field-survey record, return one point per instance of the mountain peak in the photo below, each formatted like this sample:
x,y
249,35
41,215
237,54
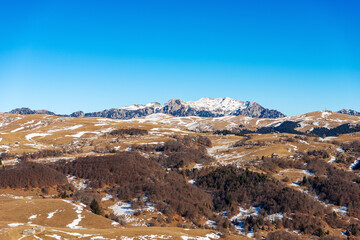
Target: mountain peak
x,y
204,107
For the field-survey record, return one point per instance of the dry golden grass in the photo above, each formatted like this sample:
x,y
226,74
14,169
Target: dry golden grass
x,y
19,211
66,130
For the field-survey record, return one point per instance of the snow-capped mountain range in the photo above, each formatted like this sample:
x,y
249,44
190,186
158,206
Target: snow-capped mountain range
x,y
204,107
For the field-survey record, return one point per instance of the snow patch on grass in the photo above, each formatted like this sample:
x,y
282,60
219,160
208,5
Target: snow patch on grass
x,y
122,208
33,216
15,197
15,224
51,214
18,129
66,128
293,149
327,139
79,134
31,135
207,237
54,236
147,237
78,235
308,173
325,114
78,209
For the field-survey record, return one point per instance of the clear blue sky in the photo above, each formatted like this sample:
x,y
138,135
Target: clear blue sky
x,y
294,56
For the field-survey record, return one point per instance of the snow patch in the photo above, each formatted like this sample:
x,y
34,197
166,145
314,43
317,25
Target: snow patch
x,y
79,134
107,197
244,213
31,135
308,173
211,224
15,224
325,114
78,209
198,166
341,210
33,216
30,122
79,184
78,235
332,159
274,217
18,129
51,214
326,139
222,106
340,150
192,181
54,236
122,208
66,128
354,164
207,237
293,149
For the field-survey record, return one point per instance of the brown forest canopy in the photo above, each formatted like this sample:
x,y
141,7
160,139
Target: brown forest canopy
x,y
131,175
29,174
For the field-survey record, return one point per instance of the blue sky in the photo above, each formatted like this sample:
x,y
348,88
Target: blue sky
x,y
293,56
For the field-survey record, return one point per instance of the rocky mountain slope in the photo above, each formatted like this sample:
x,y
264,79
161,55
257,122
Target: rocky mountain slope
x,y
27,111
349,112
204,107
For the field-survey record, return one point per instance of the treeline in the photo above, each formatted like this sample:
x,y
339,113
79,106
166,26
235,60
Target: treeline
x,y
351,147
130,175
315,161
39,154
289,127
180,152
30,175
284,127
232,187
342,129
329,184
129,131
338,187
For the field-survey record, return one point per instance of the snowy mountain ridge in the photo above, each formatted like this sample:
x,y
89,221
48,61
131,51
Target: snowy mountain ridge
x,y
204,107
225,106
